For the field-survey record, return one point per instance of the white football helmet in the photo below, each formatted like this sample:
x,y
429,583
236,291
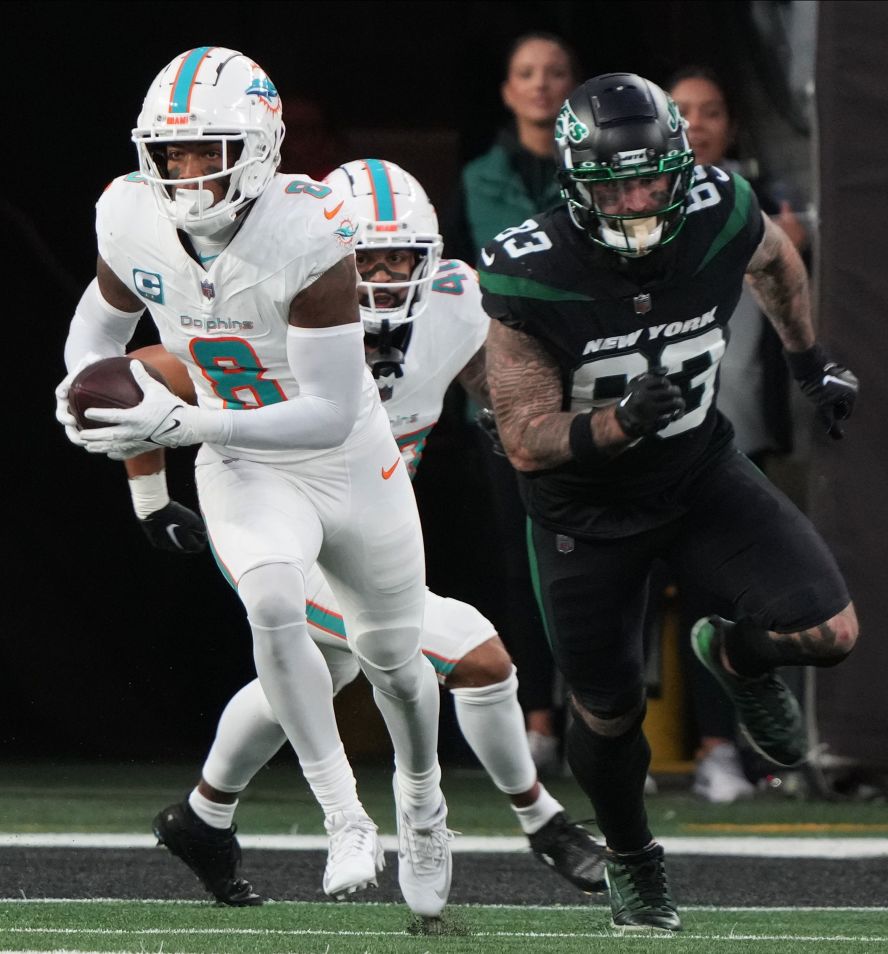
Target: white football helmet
x,y
392,211
216,94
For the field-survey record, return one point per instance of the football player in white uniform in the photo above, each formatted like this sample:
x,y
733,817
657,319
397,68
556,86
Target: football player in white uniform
x,y
424,327
250,279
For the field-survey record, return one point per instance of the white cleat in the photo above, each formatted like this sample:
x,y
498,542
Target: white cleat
x,y
355,856
425,865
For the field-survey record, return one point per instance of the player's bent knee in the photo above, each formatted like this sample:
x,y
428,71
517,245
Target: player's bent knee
x,y
386,649
488,694
610,723
274,595
401,682
486,665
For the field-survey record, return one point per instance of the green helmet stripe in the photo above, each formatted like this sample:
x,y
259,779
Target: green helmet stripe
x,y
736,220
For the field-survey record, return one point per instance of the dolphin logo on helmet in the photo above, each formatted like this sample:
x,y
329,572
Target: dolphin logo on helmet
x,y
216,94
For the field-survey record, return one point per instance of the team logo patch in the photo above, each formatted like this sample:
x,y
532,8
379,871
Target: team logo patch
x,y
345,234
149,285
263,88
208,289
674,118
568,126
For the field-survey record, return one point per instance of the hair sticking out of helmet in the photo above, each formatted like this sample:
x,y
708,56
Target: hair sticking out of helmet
x,y
210,95
625,163
393,212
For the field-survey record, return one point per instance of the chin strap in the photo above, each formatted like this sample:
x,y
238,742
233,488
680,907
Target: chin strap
x,y
385,359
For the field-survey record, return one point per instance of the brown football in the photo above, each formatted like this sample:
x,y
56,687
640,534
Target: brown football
x,y
107,383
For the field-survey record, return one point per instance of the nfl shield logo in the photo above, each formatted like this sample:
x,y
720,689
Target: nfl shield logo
x,y
207,289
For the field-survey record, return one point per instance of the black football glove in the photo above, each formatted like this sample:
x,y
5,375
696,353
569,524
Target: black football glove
x,y
832,388
175,528
486,420
651,402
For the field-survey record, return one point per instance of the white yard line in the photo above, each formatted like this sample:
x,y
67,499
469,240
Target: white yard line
x,y
755,846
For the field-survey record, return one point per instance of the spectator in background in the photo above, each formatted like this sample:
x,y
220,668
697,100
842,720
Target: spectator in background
x,y
512,181
754,395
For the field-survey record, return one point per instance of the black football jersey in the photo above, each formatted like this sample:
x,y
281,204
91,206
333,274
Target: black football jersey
x,y
605,319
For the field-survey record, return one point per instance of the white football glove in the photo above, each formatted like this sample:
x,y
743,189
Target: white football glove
x,y
159,419
63,412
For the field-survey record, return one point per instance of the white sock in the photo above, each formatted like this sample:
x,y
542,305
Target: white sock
x,y
533,817
413,727
247,736
296,681
215,814
493,724
333,783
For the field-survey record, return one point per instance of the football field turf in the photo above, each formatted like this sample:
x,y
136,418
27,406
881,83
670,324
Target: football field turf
x,y
327,928
772,875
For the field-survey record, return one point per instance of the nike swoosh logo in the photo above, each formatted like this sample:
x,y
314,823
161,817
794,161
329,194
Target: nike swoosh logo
x,y
171,533
388,473
174,424
332,215
486,257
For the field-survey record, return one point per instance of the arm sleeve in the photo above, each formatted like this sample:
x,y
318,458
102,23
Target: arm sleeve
x,y
98,327
328,363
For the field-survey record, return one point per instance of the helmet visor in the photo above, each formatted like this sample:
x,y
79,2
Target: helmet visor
x,y
631,197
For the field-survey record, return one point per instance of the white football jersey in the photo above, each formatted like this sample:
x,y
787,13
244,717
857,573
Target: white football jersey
x,y
443,340
228,322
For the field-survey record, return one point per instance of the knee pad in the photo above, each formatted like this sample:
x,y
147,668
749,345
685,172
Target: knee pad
x,y
488,695
402,682
609,724
273,594
385,649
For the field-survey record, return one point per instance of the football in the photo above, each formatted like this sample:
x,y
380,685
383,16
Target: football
x,y
106,383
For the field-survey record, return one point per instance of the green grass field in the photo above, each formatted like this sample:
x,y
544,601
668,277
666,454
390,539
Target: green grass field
x,y
302,928
37,798
43,797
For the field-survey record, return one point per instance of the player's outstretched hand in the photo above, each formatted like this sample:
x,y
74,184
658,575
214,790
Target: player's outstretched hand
x,y
63,412
831,387
176,529
157,419
651,402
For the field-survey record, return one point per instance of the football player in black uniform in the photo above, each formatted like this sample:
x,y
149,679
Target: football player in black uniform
x,y
611,318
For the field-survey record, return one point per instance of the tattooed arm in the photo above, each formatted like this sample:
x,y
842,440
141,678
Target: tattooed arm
x,y
779,282
525,385
473,378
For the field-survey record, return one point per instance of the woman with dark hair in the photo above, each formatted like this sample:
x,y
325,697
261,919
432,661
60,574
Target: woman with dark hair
x,y
512,181
753,394
515,178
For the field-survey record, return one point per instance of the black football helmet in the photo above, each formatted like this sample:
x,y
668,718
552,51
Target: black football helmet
x,y
616,127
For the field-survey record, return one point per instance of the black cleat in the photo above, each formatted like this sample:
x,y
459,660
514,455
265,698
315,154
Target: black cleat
x,y
767,712
639,892
213,854
572,852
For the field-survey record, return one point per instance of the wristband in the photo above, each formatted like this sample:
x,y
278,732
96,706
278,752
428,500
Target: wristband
x,y
804,365
582,443
149,493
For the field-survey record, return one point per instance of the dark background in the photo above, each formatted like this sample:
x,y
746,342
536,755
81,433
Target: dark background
x,y
112,649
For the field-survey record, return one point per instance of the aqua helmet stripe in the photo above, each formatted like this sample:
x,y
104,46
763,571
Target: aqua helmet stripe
x,y
383,196
180,97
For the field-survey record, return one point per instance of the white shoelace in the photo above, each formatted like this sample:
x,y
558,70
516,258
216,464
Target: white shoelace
x,y
355,837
